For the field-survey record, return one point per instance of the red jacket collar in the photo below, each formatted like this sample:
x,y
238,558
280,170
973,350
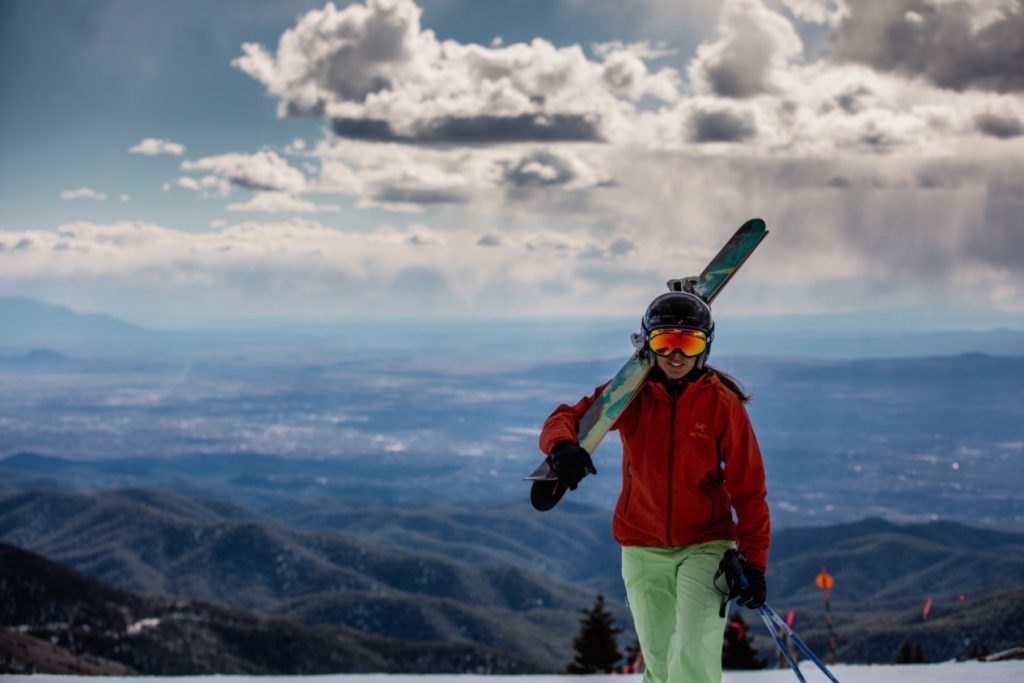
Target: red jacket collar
x,y
658,391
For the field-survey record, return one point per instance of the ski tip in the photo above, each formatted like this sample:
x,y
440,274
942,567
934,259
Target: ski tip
x,y
755,225
545,495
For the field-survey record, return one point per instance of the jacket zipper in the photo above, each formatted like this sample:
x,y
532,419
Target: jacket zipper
x,y
671,459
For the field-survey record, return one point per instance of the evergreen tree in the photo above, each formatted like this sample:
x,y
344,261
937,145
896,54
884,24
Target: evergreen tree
x,y
737,650
596,646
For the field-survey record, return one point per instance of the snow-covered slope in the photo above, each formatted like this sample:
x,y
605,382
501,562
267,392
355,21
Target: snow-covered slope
x,y
948,672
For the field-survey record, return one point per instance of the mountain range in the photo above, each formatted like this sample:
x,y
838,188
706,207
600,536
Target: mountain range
x,y
440,575
59,620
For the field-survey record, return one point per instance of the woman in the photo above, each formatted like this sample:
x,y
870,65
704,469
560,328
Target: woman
x,y
689,461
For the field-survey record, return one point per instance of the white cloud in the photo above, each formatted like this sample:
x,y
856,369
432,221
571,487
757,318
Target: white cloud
x,y
280,202
373,71
154,146
298,265
262,171
754,43
83,193
643,49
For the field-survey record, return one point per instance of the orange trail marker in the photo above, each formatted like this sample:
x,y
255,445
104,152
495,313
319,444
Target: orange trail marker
x,y
825,583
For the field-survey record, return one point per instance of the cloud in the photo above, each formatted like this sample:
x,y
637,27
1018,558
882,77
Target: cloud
x,y
429,123
297,266
154,146
262,171
376,75
754,42
721,125
481,129
408,178
280,202
645,49
997,126
541,168
955,44
83,193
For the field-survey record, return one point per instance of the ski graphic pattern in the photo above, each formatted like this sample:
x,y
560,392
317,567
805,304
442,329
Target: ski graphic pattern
x,y
616,397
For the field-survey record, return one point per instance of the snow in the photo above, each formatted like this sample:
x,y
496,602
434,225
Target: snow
x,y
948,672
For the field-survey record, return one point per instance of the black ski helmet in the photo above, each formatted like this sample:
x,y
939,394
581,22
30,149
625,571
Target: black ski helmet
x,y
681,310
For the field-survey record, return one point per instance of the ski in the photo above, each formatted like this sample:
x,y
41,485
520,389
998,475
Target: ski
x,y
617,395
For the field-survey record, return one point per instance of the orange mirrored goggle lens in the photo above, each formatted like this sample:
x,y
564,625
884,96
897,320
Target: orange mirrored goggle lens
x,y
689,342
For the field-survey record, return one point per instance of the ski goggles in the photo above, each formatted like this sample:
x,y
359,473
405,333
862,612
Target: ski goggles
x,y
665,342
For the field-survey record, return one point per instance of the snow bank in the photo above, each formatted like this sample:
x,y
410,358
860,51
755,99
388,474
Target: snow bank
x,y
948,672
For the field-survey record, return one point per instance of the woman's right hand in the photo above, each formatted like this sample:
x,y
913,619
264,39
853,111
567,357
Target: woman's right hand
x,y
571,463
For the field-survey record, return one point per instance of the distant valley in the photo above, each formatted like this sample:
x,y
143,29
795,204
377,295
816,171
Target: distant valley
x,y
906,440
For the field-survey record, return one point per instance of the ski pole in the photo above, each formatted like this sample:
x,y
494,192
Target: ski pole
x,y
768,613
774,630
768,616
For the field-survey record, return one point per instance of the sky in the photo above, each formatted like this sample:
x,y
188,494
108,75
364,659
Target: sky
x,y
189,164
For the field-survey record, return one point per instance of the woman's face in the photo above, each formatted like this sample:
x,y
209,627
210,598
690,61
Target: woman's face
x,y
676,366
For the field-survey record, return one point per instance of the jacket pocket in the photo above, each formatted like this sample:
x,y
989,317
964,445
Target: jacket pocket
x,y
711,485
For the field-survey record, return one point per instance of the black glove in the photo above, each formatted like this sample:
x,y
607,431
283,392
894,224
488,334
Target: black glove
x,y
736,568
571,462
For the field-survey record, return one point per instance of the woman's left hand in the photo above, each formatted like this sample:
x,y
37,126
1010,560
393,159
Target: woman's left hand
x,y
756,591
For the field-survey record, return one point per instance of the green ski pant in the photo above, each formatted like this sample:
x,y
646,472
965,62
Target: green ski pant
x,y
675,607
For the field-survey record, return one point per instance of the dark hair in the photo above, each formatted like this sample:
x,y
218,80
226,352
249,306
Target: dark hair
x,y
732,383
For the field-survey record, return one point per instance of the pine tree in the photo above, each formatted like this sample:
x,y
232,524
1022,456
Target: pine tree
x,y
737,650
597,650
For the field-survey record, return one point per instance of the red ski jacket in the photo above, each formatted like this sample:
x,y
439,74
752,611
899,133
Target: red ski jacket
x,y
687,463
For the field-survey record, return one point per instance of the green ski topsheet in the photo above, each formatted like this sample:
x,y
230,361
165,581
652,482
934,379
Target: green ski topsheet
x,y
616,397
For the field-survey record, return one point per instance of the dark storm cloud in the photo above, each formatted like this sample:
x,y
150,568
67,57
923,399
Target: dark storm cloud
x,y
1004,127
476,130
721,126
935,41
417,195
